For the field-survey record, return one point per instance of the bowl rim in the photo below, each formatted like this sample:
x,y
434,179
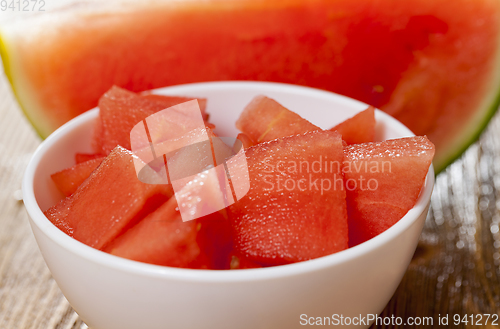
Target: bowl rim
x,y
199,275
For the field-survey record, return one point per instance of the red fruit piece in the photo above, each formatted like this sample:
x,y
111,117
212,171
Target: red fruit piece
x,y
245,140
68,180
383,181
96,141
119,111
161,238
167,101
84,157
215,240
110,200
264,119
295,209
358,129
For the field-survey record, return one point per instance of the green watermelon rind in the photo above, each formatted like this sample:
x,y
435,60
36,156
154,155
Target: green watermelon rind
x,y
8,68
474,136
490,102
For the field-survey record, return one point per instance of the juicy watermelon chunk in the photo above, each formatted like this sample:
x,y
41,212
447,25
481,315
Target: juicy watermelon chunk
x,y
120,110
383,181
215,240
109,201
84,157
68,180
161,238
295,209
167,101
96,142
264,119
358,129
245,140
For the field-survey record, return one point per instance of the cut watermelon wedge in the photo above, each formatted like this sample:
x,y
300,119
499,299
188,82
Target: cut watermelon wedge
x,y
120,110
84,157
264,119
161,238
383,181
68,180
358,129
295,209
433,65
114,183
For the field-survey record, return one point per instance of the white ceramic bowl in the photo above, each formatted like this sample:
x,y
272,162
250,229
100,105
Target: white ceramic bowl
x,y
110,292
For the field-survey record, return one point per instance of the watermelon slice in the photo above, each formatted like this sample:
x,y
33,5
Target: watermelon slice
x,y
295,209
161,238
264,119
383,181
123,201
358,129
68,180
431,64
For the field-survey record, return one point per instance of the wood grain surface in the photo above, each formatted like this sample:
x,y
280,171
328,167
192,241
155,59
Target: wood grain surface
x,y
455,270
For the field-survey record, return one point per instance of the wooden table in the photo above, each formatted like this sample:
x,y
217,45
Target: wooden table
x,y
455,270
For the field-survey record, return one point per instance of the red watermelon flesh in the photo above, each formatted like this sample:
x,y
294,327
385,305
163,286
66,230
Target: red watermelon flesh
x,y
198,192
120,110
186,152
203,193
96,142
83,157
168,147
195,157
59,214
123,201
167,101
264,119
289,215
383,181
215,240
167,127
358,129
245,140
161,238
431,64
68,180
239,262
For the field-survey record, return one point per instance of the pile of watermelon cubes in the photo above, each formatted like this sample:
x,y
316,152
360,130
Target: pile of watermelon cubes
x,y
312,192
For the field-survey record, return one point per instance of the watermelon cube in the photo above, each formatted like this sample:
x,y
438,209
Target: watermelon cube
x,y
245,140
358,129
295,209
383,181
264,119
161,238
69,179
120,110
168,101
109,201
83,157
